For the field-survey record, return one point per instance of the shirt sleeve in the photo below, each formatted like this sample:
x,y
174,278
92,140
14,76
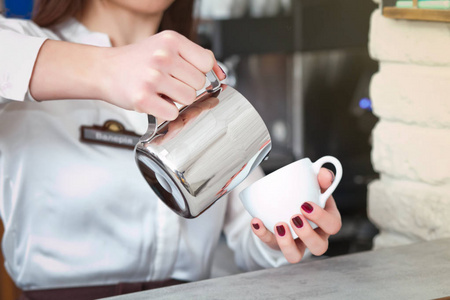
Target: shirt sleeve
x,y
250,252
18,53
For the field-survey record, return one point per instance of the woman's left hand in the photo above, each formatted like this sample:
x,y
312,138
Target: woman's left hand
x,y
328,220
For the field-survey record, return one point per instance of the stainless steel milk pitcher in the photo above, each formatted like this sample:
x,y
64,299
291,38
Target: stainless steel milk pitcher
x,y
210,148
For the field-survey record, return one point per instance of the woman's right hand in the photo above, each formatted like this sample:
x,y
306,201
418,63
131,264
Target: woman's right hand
x,y
151,75
147,77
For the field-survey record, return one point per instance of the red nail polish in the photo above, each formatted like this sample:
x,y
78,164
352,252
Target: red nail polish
x,y
307,207
281,231
297,222
256,226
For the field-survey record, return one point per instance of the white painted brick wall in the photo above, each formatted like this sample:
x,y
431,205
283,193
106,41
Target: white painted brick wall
x,y
412,152
413,210
416,42
411,143
399,91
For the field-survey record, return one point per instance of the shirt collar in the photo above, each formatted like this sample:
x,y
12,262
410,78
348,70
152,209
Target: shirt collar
x,y
73,31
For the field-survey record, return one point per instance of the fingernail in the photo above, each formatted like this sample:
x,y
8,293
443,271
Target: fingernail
x,y
332,176
222,71
256,226
307,207
297,222
281,231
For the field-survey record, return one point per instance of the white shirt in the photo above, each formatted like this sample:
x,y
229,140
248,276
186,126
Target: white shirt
x,y
79,214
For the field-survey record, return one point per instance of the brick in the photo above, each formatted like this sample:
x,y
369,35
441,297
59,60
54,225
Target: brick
x,y
412,94
415,42
411,152
391,239
408,211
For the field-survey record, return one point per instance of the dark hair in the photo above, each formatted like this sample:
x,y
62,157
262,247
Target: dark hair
x,y
177,17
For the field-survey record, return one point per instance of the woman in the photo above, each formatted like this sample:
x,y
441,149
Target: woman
x,y
80,221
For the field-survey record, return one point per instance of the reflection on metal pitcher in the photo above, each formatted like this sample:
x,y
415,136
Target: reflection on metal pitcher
x,y
210,148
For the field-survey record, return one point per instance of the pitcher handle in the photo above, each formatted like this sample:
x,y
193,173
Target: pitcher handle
x,y
214,81
152,122
317,165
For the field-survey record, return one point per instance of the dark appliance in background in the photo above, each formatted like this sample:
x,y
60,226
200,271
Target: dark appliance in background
x,y
308,75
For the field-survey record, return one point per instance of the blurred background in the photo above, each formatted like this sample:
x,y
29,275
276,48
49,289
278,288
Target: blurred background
x,y
304,65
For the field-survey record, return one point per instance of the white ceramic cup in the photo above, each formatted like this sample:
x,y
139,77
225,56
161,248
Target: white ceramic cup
x,y
278,196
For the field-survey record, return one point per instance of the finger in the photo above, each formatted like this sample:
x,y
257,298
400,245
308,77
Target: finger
x,y
331,207
189,74
176,90
325,178
263,234
287,244
158,106
328,219
219,71
315,240
196,55
201,58
209,63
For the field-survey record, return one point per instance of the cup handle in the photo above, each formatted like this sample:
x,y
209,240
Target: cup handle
x,y
316,167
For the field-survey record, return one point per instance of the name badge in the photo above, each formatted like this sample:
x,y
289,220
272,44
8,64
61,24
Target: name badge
x,y
112,133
